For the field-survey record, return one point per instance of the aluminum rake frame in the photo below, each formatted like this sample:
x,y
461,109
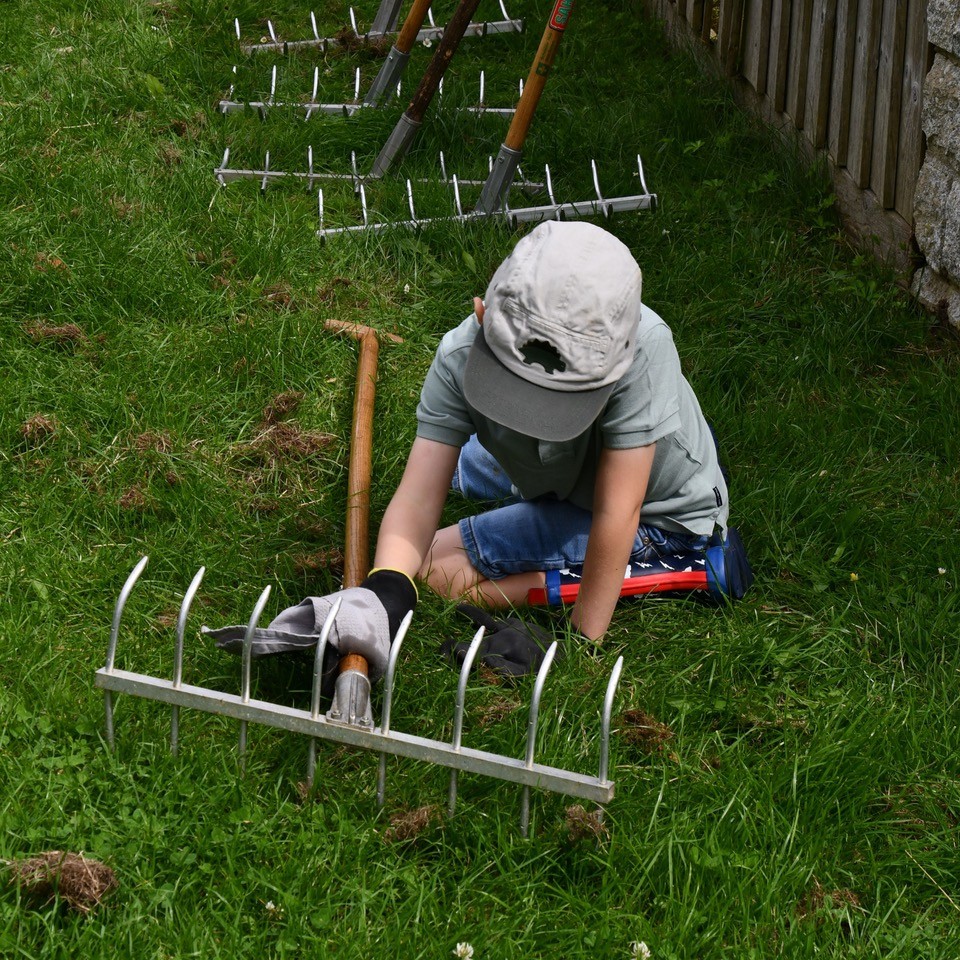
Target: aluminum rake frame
x,y
598,206
428,34
313,106
525,772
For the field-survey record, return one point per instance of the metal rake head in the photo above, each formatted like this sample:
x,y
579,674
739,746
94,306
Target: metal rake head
x,y
384,26
599,205
382,739
311,105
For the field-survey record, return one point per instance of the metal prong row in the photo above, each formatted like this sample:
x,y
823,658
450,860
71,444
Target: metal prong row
x,y
311,106
383,739
226,174
429,33
600,206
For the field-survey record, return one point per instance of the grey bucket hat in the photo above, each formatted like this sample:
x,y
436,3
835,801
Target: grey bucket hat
x,y
558,332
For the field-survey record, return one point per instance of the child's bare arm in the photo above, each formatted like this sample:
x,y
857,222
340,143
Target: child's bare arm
x,y
412,518
621,485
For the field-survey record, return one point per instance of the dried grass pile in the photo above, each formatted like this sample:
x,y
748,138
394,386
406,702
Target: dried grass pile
x,y
79,882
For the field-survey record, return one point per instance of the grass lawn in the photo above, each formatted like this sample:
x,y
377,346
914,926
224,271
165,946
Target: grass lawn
x,y
786,768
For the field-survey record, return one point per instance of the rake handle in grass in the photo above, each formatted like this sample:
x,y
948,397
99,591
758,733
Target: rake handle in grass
x,y
452,35
410,121
392,68
356,555
497,185
539,71
411,25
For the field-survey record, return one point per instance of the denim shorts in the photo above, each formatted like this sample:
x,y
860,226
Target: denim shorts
x,y
515,535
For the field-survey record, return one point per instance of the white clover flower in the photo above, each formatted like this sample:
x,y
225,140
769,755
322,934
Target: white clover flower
x,y
639,950
427,42
463,951
941,570
406,288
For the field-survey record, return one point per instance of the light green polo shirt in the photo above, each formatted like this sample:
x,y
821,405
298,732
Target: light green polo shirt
x,y
652,403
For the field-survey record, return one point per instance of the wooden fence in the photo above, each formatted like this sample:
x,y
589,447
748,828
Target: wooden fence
x,y
846,74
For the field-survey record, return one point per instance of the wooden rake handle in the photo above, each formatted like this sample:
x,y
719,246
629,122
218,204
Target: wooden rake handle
x,y
356,559
539,71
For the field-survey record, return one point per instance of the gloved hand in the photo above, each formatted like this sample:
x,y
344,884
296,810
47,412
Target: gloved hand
x,y
368,619
511,648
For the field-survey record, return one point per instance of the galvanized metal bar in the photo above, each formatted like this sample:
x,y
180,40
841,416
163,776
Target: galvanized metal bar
x,y
532,731
458,712
388,701
178,654
125,592
246,666
318,684
396,743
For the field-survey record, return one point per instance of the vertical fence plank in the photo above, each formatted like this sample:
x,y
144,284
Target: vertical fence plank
x,y
864,93
799,61
883,169
779,54
731,26
822,34
695,14
709,25
910,137
751,42
842,82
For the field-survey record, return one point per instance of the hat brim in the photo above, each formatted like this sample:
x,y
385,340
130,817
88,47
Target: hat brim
x,y
530,409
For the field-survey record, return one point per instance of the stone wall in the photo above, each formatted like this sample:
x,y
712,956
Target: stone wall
x,y
937,200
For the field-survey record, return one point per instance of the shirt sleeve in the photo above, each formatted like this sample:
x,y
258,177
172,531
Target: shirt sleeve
x,y
645,406
442,413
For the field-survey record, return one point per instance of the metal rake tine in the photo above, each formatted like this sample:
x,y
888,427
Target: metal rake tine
x,y
458,713
353,23
643,180
363,205
317,684
178,655
233,85
320,205
388,702
313,93
309,168
605,723
313,26
483,83
604,206
413,214
273,85
247,657
354,171
236,27
456,196
532,732
223,166
443,168
125,592
266,171
270,30
430,18
549,182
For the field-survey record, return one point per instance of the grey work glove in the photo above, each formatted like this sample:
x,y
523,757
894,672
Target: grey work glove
x,y
368,619
511,648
